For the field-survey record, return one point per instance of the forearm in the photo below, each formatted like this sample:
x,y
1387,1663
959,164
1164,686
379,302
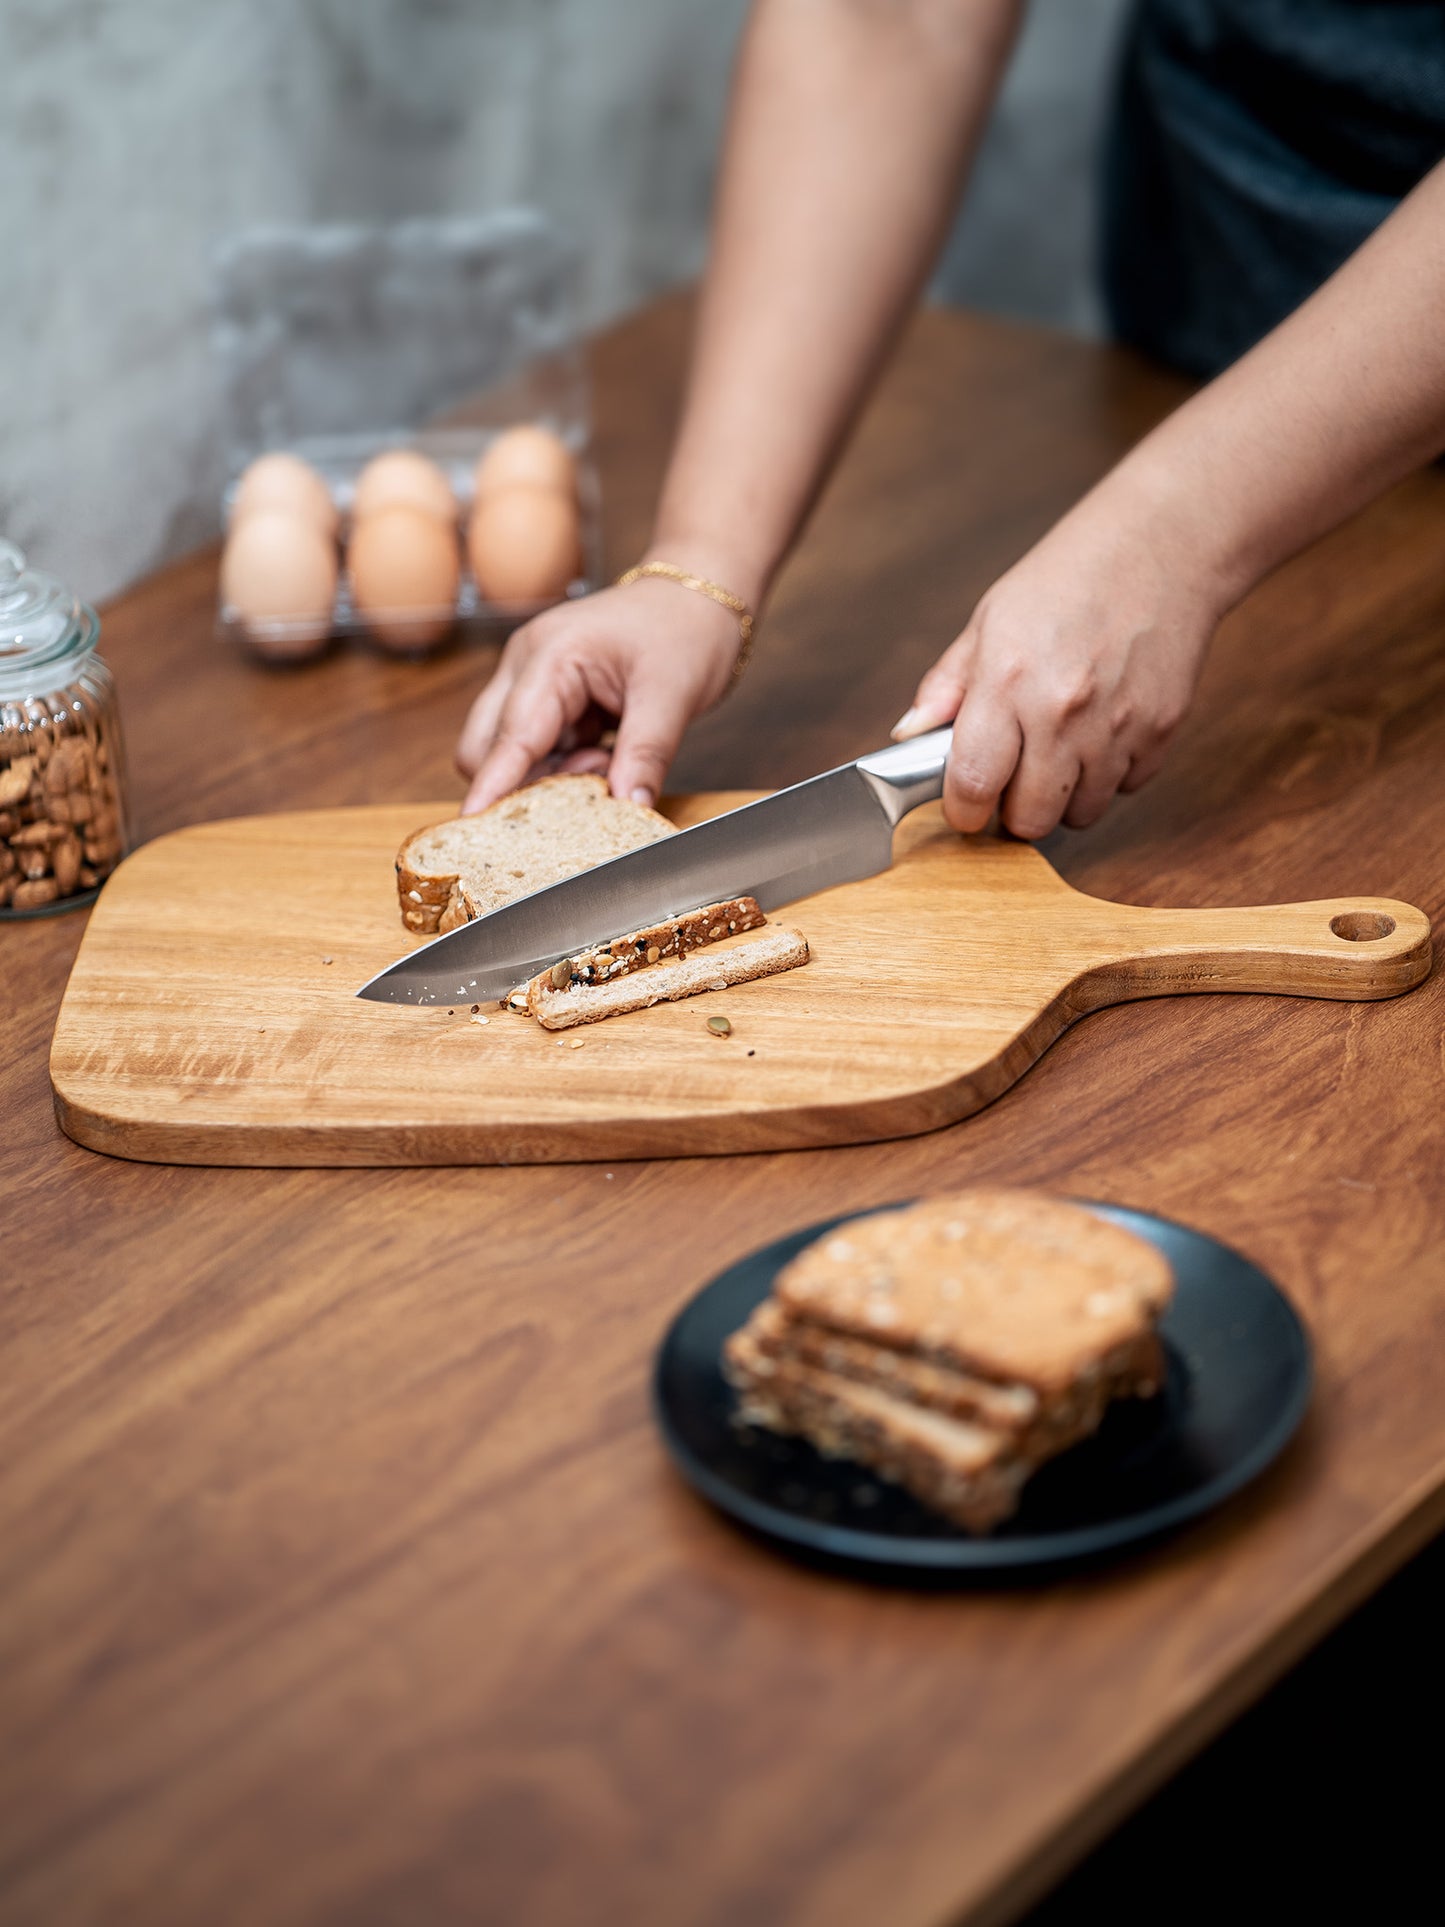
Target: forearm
x,y
1338,402
851,125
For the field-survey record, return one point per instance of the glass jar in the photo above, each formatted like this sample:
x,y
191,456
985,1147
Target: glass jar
x,y
63,824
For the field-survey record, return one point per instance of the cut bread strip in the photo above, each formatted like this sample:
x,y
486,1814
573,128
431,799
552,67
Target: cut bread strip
x,y
969,1473
772,949
641,949
455,871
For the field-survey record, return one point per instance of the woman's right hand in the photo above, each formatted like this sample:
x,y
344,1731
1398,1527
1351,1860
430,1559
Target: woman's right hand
x,y
643,660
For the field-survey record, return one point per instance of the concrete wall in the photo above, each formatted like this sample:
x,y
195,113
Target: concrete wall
x,y
134,132
1024,242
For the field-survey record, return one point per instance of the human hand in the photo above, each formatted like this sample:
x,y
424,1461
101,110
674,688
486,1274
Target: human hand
x,y
1073,673
646,658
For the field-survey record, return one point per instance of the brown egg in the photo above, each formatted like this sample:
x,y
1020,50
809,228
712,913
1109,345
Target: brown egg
x,y
524,544
278,577
288,485
530,455
404,571
403,478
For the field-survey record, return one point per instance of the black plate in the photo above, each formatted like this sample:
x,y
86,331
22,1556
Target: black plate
x,y
1237,1387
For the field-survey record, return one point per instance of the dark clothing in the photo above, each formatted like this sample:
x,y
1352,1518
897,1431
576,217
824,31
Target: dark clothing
x,y
1256,144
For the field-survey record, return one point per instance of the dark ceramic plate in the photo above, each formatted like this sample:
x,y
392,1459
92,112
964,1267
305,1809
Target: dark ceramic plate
x,y
1237,1386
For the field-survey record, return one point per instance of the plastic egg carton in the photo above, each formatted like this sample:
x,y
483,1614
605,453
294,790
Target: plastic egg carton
x,y
338,343
340,460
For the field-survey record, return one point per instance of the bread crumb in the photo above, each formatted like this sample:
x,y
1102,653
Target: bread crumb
x,y
481,1020
328,960
576,1043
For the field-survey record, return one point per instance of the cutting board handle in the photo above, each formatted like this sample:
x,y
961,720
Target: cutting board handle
x,y
1350,947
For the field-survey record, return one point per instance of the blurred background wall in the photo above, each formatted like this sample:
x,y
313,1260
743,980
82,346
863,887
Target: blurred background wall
x,y
134,132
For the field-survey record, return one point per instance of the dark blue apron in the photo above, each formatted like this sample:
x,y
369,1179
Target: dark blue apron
x,y
1256,144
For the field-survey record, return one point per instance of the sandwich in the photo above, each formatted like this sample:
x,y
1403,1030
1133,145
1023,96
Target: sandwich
x,y
956,1345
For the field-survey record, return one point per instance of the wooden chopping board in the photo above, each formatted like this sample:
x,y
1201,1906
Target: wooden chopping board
x,y
210,1017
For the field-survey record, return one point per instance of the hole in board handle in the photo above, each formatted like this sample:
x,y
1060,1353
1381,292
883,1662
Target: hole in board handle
x,y
1362,926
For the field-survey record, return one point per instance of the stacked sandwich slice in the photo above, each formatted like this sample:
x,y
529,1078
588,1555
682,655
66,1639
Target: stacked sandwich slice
x,y
957,1344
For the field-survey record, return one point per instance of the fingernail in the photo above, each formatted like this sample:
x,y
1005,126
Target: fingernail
x,y
642,795
910,723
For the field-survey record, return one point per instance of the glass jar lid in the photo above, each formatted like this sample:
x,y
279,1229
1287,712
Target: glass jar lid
x,y
40,620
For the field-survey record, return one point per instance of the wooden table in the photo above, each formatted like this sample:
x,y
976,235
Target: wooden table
x,y
345,1580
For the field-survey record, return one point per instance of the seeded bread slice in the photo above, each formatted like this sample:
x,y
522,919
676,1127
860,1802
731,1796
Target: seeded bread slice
x,y
970,1473
762,955
1013,1286
604,962
455,871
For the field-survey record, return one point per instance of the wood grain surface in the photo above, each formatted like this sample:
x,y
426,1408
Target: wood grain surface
x,y
213,1019
345,1580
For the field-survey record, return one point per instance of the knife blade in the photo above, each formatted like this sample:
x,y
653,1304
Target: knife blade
x,y
831,829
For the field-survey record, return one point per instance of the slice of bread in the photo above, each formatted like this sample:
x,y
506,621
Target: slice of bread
x,y
1013,1286
604,962
454,871
737,961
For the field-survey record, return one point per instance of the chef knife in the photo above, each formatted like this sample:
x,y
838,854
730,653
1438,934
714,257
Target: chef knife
x,y
832,829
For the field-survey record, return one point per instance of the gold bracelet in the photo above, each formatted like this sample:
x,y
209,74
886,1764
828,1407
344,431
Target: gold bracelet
x,y
685,579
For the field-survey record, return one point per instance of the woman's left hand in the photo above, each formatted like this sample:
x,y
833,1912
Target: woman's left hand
x,y
1073,673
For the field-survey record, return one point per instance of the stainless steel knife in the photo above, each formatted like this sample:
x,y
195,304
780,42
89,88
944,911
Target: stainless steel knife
x,y
832,829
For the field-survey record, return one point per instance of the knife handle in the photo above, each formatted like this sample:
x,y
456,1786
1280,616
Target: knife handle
x,y
907,774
